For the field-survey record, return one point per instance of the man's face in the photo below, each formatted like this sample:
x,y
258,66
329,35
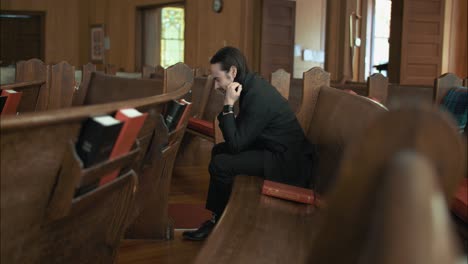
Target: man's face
x,y
221,78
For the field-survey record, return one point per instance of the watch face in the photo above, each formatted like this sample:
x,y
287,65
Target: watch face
x,y
217,5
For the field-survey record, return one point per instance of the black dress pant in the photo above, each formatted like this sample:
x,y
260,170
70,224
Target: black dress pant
x,y
224,167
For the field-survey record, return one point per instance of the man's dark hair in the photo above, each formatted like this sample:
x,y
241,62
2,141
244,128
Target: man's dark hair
x,y
230,56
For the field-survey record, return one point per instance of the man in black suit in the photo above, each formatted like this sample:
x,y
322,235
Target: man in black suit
x,y
265,139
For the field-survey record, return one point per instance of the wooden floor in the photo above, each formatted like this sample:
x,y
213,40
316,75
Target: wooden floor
x,y
162,252
189,185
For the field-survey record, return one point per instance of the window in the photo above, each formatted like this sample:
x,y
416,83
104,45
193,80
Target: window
x,y
380,35
172,35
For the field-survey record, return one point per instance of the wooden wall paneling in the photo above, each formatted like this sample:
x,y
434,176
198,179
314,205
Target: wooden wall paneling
x,y
278,29
337,47
422,39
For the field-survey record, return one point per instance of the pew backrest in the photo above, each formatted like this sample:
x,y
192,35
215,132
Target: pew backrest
x,y
280,79
104,88
34,70
338,118
62,86
377,87
443,84
79,96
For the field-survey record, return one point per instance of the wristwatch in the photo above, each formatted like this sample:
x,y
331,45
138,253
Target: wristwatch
x,y
227,109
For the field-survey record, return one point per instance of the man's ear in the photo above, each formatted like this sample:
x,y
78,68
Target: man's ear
x,y
233,71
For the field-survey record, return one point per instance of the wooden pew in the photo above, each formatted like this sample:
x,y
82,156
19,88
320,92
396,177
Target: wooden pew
x,y
110,69
41,222
62,86
332,124
261,229
393,208
377,87
33,76
465,82
154,166
280,79
79,95
150,72
443,84
44,87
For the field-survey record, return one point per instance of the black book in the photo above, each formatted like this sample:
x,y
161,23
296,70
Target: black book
x,y
173,113
3,100
97,138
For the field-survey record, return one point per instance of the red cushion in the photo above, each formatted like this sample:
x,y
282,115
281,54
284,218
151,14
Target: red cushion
x,y
460,201
201,126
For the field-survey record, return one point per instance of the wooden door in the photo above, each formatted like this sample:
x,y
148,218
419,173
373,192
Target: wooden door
x,y
22,36
421,43
277,44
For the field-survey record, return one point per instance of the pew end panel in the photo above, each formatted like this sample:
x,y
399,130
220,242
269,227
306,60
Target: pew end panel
x,y
62,86
34,70
280,79
396,192
80,94
150,219
377,87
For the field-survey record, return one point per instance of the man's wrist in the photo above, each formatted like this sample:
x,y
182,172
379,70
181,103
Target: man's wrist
x,y
228,108
228,102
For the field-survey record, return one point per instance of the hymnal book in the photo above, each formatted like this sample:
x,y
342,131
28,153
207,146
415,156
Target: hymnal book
x,y
202,126
132,120
12,101
97,138
288,192
2,102
174,112
185,113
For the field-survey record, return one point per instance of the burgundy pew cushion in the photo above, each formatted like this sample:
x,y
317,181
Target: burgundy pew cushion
x,y
460,201
201,126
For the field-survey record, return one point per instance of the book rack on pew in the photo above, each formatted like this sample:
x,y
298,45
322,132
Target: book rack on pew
x,y
73,175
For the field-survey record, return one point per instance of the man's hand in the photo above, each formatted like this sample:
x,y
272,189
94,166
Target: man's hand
x,y
233,92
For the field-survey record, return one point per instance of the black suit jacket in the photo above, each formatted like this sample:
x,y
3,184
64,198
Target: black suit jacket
x,y
266,121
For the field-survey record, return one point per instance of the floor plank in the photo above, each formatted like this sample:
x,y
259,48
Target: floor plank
x,y
163,252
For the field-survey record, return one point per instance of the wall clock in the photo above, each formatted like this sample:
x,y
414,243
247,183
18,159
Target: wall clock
x,y
217,6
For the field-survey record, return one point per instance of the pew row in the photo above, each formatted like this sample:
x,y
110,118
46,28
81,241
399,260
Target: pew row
x,y
41,221
352,228
39,173
149,216
44,87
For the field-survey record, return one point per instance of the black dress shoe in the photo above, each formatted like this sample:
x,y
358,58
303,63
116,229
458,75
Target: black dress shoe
x,y
201,233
